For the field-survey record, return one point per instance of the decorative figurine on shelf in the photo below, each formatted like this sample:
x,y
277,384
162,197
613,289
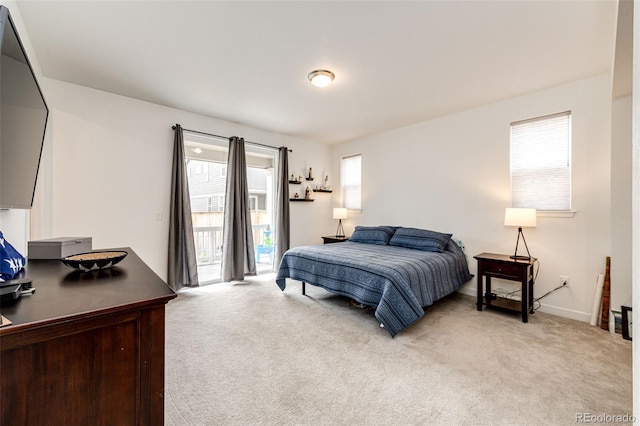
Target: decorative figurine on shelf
x,y
293,178
326,183
310,177
299,178
307,193
296,195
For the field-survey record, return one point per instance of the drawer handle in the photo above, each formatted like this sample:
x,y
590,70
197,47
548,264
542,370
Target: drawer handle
x,y
499,269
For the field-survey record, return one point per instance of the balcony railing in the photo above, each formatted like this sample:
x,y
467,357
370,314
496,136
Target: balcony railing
x,y
208,242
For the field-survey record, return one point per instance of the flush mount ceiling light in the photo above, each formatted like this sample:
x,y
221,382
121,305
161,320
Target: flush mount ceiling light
x,y
321,78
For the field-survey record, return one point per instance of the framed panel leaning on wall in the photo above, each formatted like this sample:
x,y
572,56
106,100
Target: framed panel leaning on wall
x,y
627,324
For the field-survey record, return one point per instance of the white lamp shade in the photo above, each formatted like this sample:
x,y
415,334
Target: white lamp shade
x,y
339,213
520,217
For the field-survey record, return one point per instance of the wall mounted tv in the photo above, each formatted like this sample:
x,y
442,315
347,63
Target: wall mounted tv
x,y
23,120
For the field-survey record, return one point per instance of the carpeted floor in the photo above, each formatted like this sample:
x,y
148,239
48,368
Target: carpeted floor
x,y
248,354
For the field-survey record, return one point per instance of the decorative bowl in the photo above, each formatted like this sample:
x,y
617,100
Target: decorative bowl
x,y
94,260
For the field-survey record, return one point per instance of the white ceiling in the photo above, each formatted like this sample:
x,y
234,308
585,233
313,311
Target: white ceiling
x,y
396,62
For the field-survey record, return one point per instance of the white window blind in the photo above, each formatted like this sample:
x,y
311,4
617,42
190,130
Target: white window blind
x,y
351,181
541,163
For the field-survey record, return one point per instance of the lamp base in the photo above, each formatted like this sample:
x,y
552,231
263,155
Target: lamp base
x,y
340,230
515,255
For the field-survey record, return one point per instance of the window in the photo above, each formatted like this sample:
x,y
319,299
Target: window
x,y
351,181
219,204
541,163
253,202
216,203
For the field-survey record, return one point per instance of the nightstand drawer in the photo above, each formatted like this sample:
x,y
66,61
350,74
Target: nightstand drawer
x,y
502,269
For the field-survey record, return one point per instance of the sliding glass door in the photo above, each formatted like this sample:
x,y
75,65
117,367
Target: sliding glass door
x,y
207,172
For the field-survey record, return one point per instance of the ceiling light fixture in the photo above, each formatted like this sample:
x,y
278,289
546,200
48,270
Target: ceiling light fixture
x,y
321,78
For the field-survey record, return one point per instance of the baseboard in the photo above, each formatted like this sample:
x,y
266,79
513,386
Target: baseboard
x,y
547,309
567,313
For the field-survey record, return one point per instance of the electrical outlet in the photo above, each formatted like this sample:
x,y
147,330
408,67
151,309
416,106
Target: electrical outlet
x,y
564,280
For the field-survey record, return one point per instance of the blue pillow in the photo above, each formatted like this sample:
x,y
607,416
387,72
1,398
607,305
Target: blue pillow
x,y
379,235
12,262
420,239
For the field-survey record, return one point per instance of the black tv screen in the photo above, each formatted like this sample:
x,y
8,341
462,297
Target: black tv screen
x,y
23,120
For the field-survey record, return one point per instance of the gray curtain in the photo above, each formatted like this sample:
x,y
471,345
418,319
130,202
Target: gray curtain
x,y
282,236
182,251
238,255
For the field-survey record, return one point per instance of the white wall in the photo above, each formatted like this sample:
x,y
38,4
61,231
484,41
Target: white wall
x,y
635,206
14,225
110,160
105,170
621,202
106,166
451,174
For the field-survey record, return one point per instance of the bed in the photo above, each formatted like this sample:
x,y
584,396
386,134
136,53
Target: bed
x,y
397,270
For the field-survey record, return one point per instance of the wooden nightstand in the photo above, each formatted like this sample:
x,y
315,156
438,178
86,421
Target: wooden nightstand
x,y
502,266
333,239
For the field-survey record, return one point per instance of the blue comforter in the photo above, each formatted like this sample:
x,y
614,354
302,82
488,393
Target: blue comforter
x,y
398,281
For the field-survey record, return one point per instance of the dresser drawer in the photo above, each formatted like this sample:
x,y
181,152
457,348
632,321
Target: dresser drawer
x,y
502,269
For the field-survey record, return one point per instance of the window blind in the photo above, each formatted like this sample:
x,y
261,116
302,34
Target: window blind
x,y
541,163
351,181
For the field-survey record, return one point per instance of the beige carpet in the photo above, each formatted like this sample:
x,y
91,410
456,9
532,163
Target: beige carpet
x,y
248,354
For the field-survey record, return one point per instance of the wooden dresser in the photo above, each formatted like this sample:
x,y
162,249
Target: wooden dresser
x,y
85,348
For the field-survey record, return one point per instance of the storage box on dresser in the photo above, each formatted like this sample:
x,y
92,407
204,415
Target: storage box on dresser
x,y
57,248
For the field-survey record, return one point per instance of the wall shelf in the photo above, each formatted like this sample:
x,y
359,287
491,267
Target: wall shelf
x,y
300,199
323,190
295,182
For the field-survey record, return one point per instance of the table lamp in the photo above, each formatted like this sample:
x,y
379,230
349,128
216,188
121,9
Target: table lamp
x,y
520,217
339,213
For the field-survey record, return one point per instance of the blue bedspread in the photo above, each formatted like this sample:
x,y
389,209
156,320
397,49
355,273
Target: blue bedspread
x,y
398,281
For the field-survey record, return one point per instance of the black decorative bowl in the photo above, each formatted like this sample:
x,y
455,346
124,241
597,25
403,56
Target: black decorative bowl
x,y
94,260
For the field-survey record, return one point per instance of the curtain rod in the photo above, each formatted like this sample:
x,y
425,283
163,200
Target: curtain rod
x,y
224,137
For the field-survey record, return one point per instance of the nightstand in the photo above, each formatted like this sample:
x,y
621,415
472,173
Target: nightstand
x,y
333,239
503,267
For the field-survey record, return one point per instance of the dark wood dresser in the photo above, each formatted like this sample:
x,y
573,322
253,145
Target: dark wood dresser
x,y
87,348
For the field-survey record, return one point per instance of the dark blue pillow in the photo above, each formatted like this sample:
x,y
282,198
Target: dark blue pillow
x,y
420,239
11,262
379,235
